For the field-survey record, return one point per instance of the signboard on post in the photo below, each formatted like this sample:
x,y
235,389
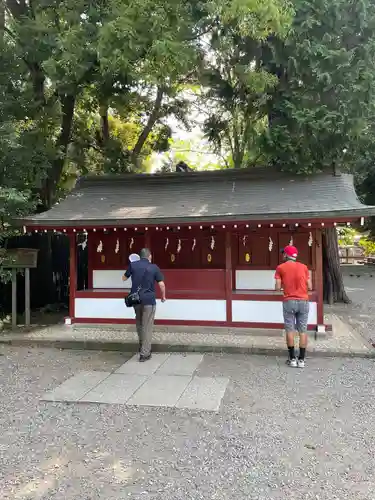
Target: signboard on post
x,y
19,258
14,259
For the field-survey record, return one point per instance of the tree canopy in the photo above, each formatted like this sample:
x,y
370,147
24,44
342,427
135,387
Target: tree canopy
x,y
99,87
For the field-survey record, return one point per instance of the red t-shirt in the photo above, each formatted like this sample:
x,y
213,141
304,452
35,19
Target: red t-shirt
x,y
294,277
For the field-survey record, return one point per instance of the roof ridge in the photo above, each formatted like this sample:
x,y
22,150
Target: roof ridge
x,y
254,173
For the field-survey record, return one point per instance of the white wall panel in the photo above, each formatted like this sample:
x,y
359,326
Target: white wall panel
x,y
110,279
102,308
185,310
255,279
264,312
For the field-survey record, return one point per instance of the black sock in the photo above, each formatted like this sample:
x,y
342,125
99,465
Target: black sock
x,y
302,352
291,352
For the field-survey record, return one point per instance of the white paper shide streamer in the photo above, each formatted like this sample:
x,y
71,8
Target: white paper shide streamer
x,y
310,242
179,246
270,244
83,243
194,244
166,244
212,243
131,243
244,240
291,241
117,249
100,247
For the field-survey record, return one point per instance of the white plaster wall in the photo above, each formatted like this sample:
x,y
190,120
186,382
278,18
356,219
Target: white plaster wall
x,y
265,312
188,310
110,279
255,279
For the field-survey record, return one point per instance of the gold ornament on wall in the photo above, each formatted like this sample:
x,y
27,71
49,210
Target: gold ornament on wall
x,y
209,257
102,258
247,257
173,257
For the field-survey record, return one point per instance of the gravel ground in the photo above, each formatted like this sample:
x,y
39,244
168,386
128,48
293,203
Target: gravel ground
x,y
360,314
280,434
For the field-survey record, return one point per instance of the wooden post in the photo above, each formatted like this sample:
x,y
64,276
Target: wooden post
x,y
27,296
72,275
318,282
148,240
14,298
228,274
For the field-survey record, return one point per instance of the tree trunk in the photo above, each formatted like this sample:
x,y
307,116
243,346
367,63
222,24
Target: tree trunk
x,y
54,175
148,127
2,19
333,283
104,123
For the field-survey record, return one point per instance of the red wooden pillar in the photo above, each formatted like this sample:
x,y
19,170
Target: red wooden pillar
x,y
72,275
228,274
319,276
148,240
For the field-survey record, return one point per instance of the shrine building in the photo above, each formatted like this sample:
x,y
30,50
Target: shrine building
x,y
216,235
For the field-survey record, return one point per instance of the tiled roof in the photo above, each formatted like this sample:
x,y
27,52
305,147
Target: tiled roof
x,y
257,194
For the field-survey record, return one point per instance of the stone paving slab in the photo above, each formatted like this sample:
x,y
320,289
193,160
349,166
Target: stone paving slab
x,y
73,389
204,393
180,364
148,368
116,389
160,390
173,387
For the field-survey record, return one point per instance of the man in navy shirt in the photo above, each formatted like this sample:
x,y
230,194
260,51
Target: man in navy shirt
x,y
144,274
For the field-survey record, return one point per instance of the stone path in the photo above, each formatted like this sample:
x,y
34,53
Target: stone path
x,y
343,341
166,380
360,314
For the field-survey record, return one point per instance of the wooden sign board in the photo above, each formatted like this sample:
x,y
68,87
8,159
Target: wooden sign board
x,y
19,258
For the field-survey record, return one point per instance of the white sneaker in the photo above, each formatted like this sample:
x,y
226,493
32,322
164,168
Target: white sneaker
x,y
301,363
292,363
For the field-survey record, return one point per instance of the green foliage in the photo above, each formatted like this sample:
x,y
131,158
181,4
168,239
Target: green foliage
x,y
235,86
368,246
324,101
346,236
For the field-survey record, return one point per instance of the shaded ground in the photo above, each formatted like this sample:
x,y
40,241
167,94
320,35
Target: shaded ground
x,y
280,434
360,314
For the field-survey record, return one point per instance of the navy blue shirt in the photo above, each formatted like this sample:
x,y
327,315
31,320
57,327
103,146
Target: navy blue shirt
x,y
144,274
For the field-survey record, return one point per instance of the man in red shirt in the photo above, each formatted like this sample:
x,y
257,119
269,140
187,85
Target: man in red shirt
x,y
294,279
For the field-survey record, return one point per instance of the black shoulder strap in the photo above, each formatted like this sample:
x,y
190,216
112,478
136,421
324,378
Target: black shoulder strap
x,y
143,277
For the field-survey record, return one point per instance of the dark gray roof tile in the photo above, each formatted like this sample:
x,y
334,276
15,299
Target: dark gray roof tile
x,y
257,194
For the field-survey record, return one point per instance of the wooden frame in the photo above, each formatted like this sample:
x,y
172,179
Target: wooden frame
x,y
227,235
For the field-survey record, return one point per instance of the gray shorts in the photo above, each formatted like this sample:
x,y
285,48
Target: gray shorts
x,y
296,315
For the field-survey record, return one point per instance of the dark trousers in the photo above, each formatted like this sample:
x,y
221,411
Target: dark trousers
x,y
144,319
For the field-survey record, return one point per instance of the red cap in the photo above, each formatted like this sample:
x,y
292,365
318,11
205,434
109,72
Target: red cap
x,y
291,251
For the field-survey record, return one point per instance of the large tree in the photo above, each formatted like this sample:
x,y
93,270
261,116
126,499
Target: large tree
x,y
235,86
320,110
111,48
